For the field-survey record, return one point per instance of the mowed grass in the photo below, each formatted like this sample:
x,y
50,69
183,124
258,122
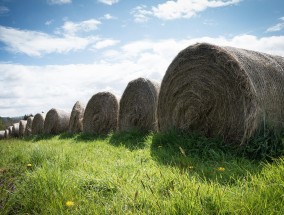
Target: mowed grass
x,y
132,173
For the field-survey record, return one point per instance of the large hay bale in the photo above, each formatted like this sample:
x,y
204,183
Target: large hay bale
x,y
138,106
2,134
22,127
16,130
76,118
7,133
29,125
222,92
38,123
101,114
56,121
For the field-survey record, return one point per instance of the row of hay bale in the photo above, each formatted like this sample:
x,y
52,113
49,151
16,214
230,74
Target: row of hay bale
x,y
215,91
104,113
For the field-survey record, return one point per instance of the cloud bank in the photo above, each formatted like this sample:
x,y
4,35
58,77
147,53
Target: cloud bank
x,y
32,89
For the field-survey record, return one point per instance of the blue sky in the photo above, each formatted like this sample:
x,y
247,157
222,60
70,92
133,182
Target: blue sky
x,y
55,52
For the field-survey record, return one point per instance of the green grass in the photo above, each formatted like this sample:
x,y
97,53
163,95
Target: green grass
x,y
132,173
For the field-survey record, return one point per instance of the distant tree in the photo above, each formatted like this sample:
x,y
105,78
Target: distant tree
x,y
27,116
2,124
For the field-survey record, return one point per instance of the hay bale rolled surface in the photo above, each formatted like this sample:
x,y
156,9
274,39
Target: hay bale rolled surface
x,y
2,134
222,91
22,127
138,106
101,114
29,125
38,123
7,133
16,130
10,128
56,121
76,118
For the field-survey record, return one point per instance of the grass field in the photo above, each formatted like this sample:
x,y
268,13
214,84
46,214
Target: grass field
x,y
132,173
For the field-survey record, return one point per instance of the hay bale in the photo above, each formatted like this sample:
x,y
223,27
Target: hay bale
x,y
222,92
10,128
16,130
76,118
2,134
22,127
101,114
56,121
138,106
38,123
29,125
7,133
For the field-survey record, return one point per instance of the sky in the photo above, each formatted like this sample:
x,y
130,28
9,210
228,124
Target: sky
x,y
56,52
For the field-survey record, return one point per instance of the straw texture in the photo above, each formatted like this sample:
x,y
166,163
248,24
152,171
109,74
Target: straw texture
x,y
222,92
101,114
138,106
76,118
2,134
15,129
7,133
56,121
22,127
29,125
10,128
38,123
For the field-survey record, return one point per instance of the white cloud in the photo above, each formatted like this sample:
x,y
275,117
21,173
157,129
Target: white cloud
x,y
108,2
108,17
278,27
34,43
31,89
59,1
141,14
4,10
84,26
178,9
105,43
49,22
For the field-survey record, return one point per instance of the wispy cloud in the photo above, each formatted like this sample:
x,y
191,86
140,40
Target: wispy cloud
x,y
84,26
49,22
108,17
69,38
4,10
59,2
34,43
278,27
178,9
105,43
141,14
108,2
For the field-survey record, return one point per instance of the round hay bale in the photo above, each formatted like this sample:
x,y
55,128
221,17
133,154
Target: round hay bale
x,y
101,114
10,128
76,118
16,130
7,133
29,125
2,134
56,121
138,106
38,123
22,127
222,92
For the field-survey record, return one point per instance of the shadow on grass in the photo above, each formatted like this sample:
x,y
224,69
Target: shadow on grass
x,y
211,159
39,137
66,135
89,137
132,140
